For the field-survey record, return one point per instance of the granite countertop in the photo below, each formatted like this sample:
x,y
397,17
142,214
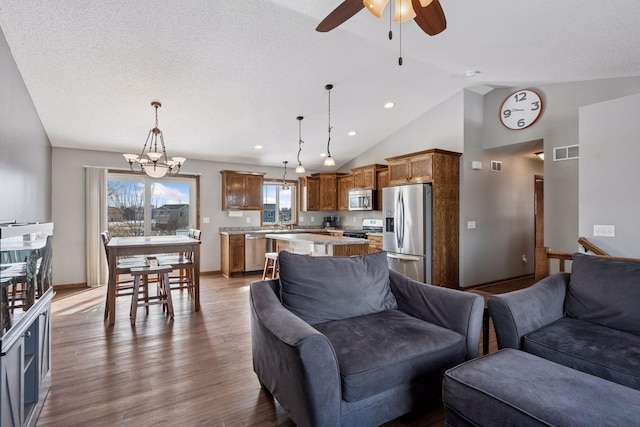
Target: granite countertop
x,y
317,239
277,231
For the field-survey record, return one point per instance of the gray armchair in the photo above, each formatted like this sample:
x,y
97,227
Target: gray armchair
x,y
343,341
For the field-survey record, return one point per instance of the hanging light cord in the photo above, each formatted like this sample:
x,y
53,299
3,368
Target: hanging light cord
x,y
329,87
300,141
400,39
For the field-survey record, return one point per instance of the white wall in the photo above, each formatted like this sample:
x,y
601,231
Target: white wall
x,y
609,174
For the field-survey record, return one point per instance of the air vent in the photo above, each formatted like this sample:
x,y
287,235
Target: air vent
x,y
569,152
496,166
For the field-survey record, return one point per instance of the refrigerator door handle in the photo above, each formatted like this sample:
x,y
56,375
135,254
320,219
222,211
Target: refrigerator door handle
x,y
401,233
398,225
403,257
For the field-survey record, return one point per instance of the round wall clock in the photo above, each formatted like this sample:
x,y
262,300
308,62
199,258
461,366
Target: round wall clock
x,y
521,109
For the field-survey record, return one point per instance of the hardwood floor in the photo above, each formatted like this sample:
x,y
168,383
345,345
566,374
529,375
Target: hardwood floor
x,y
192,371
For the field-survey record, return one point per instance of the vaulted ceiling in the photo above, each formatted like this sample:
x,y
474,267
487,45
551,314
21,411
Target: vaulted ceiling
x,y
233,74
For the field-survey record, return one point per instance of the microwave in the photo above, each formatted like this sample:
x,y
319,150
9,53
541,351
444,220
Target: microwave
x,y
362,200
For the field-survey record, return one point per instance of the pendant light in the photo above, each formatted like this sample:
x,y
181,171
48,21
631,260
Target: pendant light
x,y
300,168
285,186
329,161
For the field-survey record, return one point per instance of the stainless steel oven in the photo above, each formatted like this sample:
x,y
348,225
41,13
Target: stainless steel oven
x,y
361,200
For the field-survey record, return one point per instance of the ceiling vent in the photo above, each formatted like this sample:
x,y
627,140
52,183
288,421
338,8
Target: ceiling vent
x,y
496,166
569,152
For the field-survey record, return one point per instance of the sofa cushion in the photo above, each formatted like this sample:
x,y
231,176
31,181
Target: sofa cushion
x,y
383,350
605,291
607,353
322,289
513,388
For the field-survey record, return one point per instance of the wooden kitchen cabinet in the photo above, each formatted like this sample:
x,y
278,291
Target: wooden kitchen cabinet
x,y
328,190
375,243
411,168
382,180
345,183
309,193
364,177
242,190
232,254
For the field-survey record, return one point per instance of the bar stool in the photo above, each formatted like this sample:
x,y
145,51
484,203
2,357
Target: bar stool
x,y
141,278
270,263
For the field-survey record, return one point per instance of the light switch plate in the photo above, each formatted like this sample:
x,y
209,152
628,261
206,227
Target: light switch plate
x,y
604,231
205,220
471,225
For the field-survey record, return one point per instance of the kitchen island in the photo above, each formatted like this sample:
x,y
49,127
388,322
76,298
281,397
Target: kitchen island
x,y
318,245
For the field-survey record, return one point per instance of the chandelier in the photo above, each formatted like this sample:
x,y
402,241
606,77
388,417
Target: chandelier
x,y
156,164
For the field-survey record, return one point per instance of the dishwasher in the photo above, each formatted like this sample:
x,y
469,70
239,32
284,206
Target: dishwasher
x,y
255,245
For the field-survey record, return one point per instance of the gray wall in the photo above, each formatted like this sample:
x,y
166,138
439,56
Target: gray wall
x,y
558,126
609,173
25,151
69,207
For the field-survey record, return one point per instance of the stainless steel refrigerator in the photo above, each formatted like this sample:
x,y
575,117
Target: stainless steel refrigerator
x,y
407,229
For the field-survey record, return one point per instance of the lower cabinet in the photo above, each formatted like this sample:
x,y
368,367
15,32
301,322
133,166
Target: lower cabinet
x,y
375,243
25,365
232,254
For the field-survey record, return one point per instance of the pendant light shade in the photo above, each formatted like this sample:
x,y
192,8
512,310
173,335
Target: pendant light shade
x,y
300,168
403,11
329,161
376,7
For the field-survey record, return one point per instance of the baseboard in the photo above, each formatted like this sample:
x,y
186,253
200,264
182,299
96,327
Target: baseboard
x,y
512,282
70,286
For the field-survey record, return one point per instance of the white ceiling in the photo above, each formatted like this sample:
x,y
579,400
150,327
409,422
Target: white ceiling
x,y
232,74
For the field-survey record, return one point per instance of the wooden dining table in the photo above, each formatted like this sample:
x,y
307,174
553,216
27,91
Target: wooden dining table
x,y
149,245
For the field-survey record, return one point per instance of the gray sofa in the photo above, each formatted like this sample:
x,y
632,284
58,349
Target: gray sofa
x,y
344,341
588,320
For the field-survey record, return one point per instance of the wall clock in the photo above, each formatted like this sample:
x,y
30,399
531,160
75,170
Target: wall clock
x,y
521,109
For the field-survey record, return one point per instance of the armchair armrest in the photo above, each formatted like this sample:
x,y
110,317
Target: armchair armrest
x,y
517,313
449,308
295,362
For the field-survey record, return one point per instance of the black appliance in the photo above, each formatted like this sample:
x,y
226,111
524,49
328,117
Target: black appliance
x,y
329,222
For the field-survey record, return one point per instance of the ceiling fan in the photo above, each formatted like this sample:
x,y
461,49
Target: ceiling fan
x,y
427,14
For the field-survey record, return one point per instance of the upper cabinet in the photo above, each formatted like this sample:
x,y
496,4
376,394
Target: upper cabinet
x,y
411,168
242,191
345,183
364,177
382,180
309,193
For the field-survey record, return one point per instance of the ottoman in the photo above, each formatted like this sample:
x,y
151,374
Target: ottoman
x,y
514,388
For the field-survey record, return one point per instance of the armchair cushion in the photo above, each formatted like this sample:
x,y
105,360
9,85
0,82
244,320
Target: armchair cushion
x,y
588,298
323,289
380,351
597,350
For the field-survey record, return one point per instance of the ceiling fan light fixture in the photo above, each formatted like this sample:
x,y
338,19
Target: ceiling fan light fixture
x,y
403,11
425,3
376,7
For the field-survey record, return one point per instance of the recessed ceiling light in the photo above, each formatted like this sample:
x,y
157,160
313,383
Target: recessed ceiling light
x,y
352,133
471,73
389,105
323,154
258,147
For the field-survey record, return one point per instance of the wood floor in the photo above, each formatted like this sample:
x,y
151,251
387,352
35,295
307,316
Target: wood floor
x,y
193,371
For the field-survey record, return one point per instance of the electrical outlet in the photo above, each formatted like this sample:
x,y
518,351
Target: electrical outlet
x,y
301,218
313,219
248,220
524,259
354,219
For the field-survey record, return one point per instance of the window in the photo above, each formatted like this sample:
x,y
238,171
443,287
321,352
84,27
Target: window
x,y
278,205
139,205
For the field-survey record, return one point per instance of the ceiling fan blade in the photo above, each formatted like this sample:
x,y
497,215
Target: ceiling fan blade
x,y
340,14
430,18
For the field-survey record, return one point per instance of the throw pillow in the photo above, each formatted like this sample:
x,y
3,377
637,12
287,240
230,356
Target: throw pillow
x,y
605,291
322,289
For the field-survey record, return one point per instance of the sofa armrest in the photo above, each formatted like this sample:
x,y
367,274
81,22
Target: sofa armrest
x,y
452,309
295,362
517,313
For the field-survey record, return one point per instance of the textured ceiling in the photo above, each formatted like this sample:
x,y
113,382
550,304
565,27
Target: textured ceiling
x,y
232,74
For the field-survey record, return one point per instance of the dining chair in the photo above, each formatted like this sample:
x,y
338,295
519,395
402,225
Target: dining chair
x,y
124,286
141,280
184,264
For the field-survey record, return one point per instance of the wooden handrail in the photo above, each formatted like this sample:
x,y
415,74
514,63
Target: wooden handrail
x,y
591,247
543,255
